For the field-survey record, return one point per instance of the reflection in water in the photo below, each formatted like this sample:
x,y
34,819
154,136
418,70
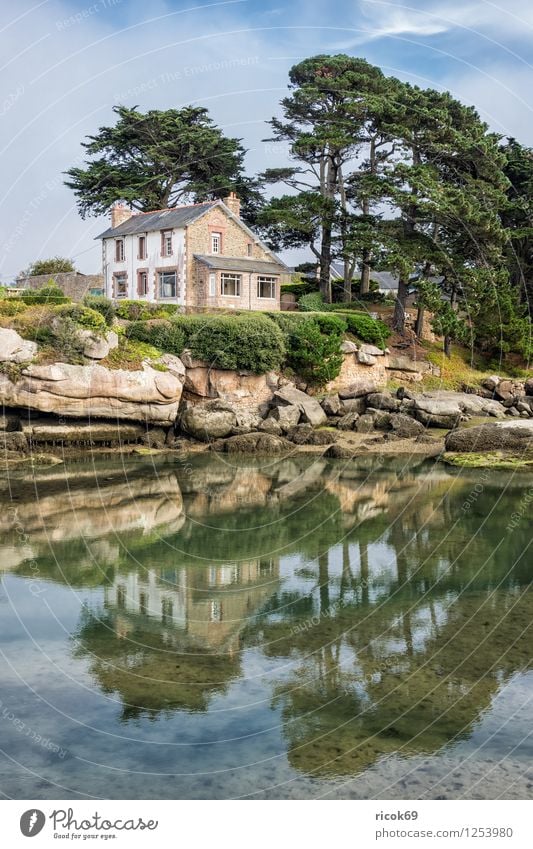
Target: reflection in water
x,y
347,613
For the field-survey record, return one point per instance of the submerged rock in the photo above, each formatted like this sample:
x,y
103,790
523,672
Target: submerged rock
x,y
253,443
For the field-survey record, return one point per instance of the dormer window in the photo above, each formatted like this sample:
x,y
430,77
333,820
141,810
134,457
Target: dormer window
x,y
216,243
166,242
119,250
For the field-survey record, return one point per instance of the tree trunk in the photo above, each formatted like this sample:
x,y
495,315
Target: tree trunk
x,y
398,321
325,263
365,272
419,322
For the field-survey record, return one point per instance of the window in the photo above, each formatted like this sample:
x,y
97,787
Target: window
x,y
119,250
168,284
142,284
142,248
96,292
230,284
212,285
216,243
250,248
266,287
166,243
121,285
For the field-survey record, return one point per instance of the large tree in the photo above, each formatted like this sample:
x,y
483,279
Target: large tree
x,y
517,216
159,159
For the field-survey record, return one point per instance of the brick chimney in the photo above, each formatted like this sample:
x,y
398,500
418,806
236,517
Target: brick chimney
x,y
233,203
119,214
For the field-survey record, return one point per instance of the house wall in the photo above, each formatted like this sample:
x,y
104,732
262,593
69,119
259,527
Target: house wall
x,y
153,263
74,284
235,242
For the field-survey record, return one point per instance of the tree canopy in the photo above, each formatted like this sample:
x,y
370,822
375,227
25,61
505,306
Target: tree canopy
x,y
54,265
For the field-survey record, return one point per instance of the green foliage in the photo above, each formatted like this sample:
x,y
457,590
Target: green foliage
x,y
65,339
144,310
313,352
367,329
299,287
50,294
313,302
12,306
158,159
161,333
54,265
102,305
82,316
500,324
250,342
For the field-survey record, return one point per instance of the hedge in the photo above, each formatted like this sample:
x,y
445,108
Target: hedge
x,y
313,343
160,333
103,305
82,316
51,294
144,310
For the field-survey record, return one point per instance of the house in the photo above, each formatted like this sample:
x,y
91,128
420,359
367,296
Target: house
x,y
74,284
199,256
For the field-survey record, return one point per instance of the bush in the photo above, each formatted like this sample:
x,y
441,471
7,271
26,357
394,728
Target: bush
x,y
50,294
160,333
250,342
313,343
12,306
102,305
81,316
313,302
144,310
367,329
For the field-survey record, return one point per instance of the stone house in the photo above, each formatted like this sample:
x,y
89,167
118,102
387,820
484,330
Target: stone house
x,y
74,284
201,256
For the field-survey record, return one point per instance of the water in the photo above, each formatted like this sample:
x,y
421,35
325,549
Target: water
x,y
225,628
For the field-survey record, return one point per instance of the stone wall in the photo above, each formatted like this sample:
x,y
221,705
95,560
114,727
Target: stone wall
x,y
74,284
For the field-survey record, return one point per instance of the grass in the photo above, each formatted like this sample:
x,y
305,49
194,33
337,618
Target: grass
x,y
488,460
456,372
130,356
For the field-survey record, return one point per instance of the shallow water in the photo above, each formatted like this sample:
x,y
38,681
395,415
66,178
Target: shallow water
x,y
222,627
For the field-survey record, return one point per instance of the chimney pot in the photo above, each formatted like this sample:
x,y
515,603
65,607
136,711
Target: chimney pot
x,y
233,203
119,214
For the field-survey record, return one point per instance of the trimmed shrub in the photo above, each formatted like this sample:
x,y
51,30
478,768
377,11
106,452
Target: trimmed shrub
x,y
313,302
160,333
313,343
81,316
144,310
50,294
250,342
102,305
366,328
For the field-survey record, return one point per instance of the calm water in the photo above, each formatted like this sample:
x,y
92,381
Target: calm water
x,y
292,628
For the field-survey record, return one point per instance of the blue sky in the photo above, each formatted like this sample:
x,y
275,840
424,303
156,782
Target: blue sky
x,y
64,64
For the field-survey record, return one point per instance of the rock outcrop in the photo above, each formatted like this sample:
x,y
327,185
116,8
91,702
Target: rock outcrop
x,y
93,391
512,436
212,420
15,349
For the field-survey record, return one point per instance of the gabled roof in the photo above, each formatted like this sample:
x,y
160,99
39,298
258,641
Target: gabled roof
x,y
161,219
230,263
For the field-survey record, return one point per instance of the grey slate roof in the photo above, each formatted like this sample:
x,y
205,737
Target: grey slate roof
x,y
229,263
162,219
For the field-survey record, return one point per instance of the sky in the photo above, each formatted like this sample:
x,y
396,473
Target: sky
x,y
65,64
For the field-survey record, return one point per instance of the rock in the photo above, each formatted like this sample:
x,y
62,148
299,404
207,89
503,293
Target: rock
x,y
270,425
513,436
404,394
9,423
358,389
211,420
371,350
288,416
242,389
523,407
407,364
43,431
331,405
174,365
528,386
248,420
306,435
93,391
512,411
15,349
525,415
509,390
190,362
353,405
491,383
365,424
383,401
310,409
445,409
405,426
366,359
348,347
339,452
96,347
156,437
13,441
253,443
381,418
348,421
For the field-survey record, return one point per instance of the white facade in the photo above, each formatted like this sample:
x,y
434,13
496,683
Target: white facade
x,y
154,265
